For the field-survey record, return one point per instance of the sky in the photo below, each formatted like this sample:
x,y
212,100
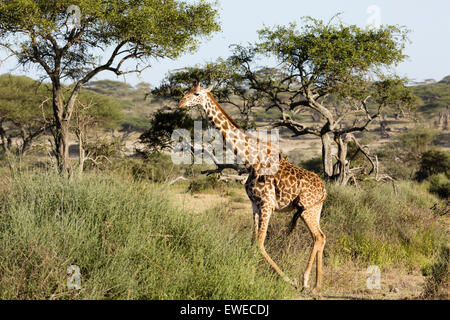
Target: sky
x,y
429,22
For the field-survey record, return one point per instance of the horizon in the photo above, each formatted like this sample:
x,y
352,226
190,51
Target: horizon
x,y
424,21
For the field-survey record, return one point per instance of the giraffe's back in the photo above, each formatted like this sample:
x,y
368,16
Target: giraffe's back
x,y
290,187
297,186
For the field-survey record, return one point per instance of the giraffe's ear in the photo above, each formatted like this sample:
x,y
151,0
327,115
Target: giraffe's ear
x,y
209,89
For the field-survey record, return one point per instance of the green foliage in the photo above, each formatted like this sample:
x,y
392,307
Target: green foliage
x,y
41,33
163,123
127,240
25,107
401,157
393,93
435,97
205,183
440,185
230,86
139,124
376,226
156,167
337,57
433,162
20,98
436,285
145,28
101,152
314,165
98,109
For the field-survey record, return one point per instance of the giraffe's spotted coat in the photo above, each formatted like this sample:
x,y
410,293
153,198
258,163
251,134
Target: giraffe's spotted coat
x,y
288,187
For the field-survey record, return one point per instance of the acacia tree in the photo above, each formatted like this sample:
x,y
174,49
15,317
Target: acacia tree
x,y
338,72
24,107
93,109
229,87
103,35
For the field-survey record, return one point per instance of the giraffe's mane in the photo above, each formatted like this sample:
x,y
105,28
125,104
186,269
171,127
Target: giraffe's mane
x,y
238,126
223,111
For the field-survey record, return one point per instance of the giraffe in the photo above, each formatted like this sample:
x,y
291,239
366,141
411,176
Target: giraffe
x,y
284,187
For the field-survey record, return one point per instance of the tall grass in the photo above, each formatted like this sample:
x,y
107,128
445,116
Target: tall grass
x,y
130,243
367,226
126,239
377,226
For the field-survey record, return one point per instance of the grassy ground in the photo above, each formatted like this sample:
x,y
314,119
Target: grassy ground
x,y
127,240
141,240
398,233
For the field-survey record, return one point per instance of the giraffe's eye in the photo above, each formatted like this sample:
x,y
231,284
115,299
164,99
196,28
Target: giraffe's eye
x,y
196,94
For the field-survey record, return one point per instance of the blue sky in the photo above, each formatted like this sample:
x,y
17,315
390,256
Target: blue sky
x,y
429,22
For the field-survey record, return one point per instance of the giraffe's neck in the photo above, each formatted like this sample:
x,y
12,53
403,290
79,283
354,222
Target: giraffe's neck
x,y
246,146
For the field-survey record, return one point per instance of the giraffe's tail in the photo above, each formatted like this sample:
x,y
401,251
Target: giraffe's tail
x,y
324,197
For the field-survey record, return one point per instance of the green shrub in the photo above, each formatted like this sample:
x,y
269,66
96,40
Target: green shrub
x,y
433,162
101,153
314,165
437,282
157,167
373,225
203,183
440,185
401,157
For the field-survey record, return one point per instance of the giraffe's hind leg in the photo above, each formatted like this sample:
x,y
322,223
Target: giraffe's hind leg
x,y
311,217
256,222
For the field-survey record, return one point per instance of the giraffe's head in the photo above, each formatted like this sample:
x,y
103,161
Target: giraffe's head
x,y
196,96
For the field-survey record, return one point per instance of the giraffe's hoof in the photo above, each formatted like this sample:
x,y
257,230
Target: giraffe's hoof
x,y
291,282
316,292
294,283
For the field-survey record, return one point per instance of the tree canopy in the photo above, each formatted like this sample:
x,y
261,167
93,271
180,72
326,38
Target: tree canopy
x,y
75,40
25,105
229,86
341,72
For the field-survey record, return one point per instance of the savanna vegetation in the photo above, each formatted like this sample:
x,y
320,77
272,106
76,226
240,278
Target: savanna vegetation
x,y
87,179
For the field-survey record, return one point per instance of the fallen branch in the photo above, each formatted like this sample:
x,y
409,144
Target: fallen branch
x,y
177,179
226,177
384,176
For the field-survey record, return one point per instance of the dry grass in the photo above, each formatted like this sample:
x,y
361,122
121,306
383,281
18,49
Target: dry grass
x,y
345,274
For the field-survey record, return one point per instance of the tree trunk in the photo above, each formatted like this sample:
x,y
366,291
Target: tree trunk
x,y
81,152
342,172
63,112
62,146
327,158
61,131
6,141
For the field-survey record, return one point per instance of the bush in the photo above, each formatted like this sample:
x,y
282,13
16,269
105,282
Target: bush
x,y
101,152
314,165
204,183
437,282
156,167
376,226
433,162
163,123
401,157
440,185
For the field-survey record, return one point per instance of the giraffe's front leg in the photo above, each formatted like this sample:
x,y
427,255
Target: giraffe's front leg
x,y
265,213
